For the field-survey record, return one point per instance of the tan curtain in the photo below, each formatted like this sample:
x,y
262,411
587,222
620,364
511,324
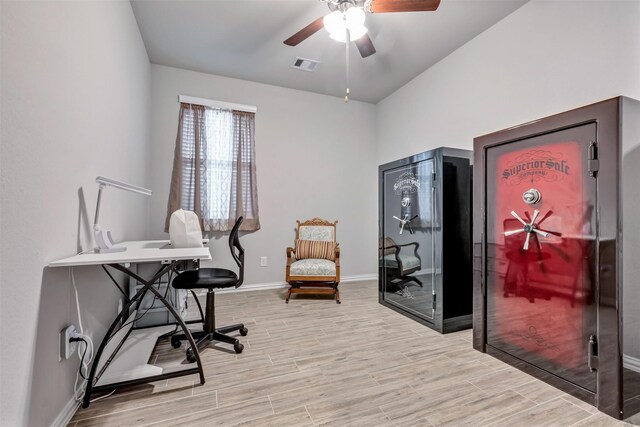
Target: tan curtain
x,y
214,171
244,197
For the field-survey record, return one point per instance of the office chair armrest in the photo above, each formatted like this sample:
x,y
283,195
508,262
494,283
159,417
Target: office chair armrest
x,y
416,244
415,249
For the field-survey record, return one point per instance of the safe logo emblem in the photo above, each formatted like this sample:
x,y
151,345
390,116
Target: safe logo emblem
x,y
536,165
406,183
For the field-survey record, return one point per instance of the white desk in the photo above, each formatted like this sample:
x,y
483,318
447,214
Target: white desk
x,y
137,252
126,363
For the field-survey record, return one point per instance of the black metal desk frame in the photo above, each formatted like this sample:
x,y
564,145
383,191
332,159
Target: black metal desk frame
x,y
148,285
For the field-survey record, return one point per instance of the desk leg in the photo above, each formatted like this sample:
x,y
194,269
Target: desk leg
x,y
148,286
96,360
184,327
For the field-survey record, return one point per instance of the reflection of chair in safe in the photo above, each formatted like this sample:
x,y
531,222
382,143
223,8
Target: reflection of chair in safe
x,y
399,262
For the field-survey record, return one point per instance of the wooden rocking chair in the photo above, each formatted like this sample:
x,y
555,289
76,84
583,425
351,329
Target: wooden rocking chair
x,y
313,266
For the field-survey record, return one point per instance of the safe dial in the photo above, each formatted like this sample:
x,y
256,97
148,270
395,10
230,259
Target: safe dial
x,y
529,228
532,196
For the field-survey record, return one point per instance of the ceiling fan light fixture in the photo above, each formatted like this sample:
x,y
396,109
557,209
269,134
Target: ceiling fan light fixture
x,y
354,17
336,23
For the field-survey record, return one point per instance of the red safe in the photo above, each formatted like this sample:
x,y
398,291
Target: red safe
x,y
548,272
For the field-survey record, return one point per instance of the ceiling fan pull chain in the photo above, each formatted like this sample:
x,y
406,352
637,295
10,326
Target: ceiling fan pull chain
x,y
347,43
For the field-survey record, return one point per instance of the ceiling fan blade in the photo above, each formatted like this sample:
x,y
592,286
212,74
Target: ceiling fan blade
x,y
365,46
305,33
385,6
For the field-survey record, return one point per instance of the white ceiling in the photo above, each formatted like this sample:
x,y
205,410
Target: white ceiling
x,y
243,39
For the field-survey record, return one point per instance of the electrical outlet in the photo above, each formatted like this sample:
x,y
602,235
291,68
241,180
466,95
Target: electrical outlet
x,y
263,261
67,348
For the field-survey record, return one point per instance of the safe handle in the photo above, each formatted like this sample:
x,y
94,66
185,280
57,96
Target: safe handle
x,y
593,353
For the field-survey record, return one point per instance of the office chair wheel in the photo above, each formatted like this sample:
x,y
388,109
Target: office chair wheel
x,y
238,347
244,332
176,343
191,357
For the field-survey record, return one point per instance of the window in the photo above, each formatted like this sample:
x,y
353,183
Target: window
x,y
214,172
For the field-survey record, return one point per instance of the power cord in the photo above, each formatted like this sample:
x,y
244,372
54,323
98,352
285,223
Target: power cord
x,y
103,397
83,370
86,347
86,370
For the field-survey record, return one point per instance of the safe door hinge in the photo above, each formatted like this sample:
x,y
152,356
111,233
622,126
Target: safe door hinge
x,y
593,353
433,302
594,163
433,179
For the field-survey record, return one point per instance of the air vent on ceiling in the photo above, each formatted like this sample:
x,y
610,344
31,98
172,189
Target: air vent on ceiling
x,y
305,64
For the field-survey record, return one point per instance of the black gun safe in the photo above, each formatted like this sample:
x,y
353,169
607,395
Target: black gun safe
x,y
548,253
424,245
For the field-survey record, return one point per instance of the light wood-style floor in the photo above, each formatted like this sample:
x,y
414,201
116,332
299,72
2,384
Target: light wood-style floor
x,y
314,362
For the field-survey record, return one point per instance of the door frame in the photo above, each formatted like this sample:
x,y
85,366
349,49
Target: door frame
x,y
609,284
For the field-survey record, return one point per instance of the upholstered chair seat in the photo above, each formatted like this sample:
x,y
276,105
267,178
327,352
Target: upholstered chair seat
x,y
407,261
313,267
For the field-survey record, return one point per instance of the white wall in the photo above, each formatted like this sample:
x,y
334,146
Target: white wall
x,y
75,104
545,58
315,157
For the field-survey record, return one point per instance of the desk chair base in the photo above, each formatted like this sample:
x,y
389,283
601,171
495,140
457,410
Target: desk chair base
x,y
211,333
403,280
203,339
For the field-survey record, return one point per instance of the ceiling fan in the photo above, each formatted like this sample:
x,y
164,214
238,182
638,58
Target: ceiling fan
x,y
347,17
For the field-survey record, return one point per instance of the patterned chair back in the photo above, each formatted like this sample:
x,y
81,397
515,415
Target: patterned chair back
x,y
317,229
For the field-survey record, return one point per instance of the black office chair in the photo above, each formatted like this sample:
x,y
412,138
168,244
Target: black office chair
x,y
210,279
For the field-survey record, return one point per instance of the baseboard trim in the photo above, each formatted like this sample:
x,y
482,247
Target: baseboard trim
x,y
426,271
278,285
252,287
359,278
631,363
66,414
